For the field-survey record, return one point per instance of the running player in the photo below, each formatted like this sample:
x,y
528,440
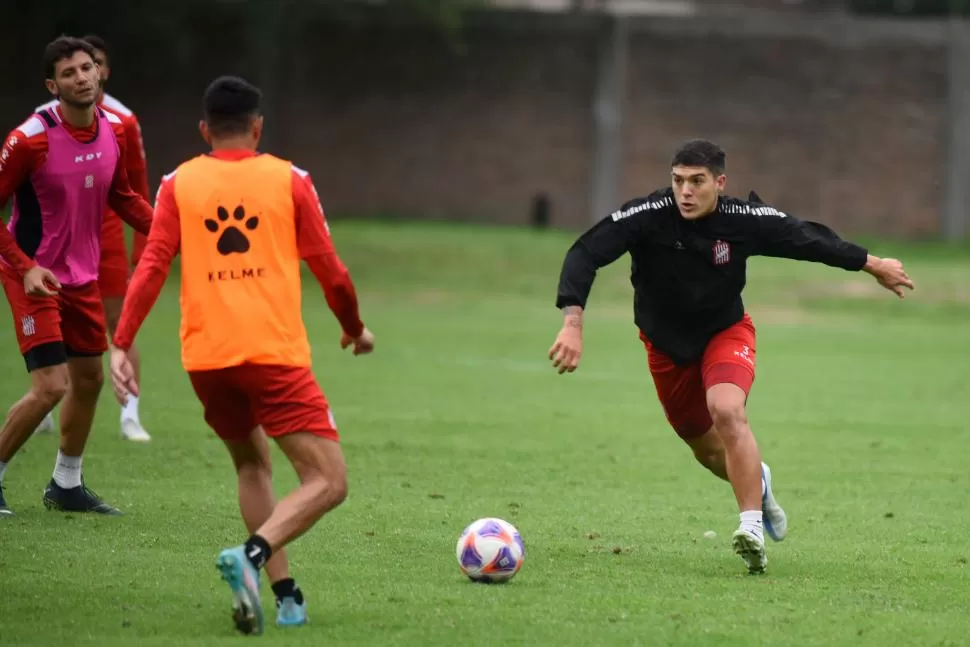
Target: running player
x,y
689,244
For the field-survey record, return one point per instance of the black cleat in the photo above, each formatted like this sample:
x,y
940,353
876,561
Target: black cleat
x,y
75,499
4,510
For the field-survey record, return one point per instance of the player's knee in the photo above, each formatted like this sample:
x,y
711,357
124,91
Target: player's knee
x,y
708,449
254,471
88,383
728,415
333,489
338,486
51,389
708,458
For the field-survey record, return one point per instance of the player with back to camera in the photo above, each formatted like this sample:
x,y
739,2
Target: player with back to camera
x,y
242,221
62,166
689,244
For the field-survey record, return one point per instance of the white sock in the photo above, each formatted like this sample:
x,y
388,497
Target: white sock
x,y
764,487
67,470
130,410
751,521
3,470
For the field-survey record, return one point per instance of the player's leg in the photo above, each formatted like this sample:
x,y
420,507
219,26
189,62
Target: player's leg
x,y
680,389
319,463
743,461
48,385
256,502
66,490
37,325
228,412
85,339
708,449
113,275
46,425
682,393
131,427
728,371
293,410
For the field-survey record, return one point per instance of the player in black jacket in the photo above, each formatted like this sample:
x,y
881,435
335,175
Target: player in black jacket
x,y
689,245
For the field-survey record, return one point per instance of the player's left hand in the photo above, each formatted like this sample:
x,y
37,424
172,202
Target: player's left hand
x,y
122,375
890,274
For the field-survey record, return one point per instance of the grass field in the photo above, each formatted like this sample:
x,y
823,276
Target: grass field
x,y
861,408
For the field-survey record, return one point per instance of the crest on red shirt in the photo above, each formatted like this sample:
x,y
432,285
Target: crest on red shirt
x,y
722,252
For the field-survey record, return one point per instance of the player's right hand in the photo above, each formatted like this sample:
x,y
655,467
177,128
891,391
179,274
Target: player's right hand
x,y
565,353
122,376
40,282
362,345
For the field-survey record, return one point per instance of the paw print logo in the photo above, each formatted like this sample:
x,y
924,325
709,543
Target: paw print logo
x,y
232,240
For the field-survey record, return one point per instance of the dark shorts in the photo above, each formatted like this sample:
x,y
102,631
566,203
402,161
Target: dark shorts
x,y
281,399
51,329
729,358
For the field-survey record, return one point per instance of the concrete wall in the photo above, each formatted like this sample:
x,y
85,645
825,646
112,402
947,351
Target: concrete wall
x,y
826,125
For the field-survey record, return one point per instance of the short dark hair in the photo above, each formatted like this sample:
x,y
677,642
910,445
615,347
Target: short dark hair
x,y
700,152
97,43
229,105
63,47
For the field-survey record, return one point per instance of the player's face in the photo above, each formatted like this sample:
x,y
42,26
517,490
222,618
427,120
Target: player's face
x,y
101,60
696,190
76,80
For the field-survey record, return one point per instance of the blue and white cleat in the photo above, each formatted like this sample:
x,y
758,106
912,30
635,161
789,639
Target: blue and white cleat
x,y
751,548
289,613
243,579
774,518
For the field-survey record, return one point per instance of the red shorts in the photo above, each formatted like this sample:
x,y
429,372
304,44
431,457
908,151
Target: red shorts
x,y
281,399
68,325
682,390
113,271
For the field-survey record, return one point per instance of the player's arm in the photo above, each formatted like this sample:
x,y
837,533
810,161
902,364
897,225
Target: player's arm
x,y
133,208
135,163
16,162
783,236
317,249
137,169
602,244
149,277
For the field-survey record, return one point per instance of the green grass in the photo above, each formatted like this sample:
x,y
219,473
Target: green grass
x,y
860,406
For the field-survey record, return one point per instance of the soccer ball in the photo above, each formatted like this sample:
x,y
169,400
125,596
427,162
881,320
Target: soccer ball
x,y
490,550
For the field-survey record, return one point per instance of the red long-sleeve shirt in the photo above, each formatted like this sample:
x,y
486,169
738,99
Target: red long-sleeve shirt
x,y
313,239
136,162
25,150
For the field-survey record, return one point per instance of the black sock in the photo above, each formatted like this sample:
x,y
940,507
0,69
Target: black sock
x,y
258,551
288,589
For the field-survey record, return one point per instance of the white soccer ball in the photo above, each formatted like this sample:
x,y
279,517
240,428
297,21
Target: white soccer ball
x,y
490,550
